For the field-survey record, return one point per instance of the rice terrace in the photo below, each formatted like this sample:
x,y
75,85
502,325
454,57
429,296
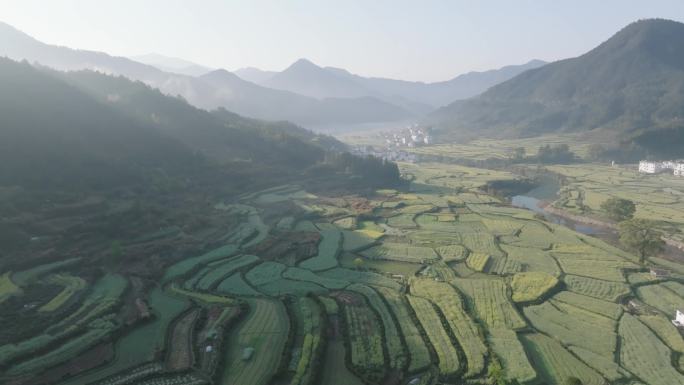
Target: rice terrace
x,y
164,222
461,286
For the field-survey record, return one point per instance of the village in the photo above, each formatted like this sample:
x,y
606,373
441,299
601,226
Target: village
x,y
409,137
655,167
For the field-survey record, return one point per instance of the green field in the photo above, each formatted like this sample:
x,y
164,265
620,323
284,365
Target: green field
x,y
438,282
265,331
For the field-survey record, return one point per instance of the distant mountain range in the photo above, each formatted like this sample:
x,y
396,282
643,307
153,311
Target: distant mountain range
x,y
85,130
304,93
632,84
306,78
172,64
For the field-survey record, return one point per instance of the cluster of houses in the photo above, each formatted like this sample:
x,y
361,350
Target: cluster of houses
x,y
411,136
655,167
389,153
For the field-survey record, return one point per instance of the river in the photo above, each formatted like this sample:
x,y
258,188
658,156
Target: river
x,y
545,193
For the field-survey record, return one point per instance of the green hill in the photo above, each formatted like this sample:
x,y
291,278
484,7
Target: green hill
x,y
631,83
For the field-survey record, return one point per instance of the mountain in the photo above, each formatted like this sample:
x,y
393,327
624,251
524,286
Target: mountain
x,y
438,94
253,100
172,64
211,91
306,78
89,130
632,82
254,75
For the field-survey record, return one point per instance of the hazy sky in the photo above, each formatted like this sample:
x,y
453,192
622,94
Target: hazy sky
x,y
414,40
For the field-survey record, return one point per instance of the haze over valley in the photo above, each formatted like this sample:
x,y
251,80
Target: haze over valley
x,y
341,193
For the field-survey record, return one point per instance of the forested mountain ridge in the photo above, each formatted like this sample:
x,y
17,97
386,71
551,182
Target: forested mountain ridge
x,y
88,158
630,83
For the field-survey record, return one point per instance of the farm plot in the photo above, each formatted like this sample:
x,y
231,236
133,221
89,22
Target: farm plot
x,y
335,372
24,278
534,235
661,297
599,266
645,355
356,240
308,341
180,352
490,301
604,308
397,355
416,209
502,225
370,229
452,253
503,266
255,348
555,364
400,252
449,363
365,277
188,264
531,259
71,286
418,352
402,221
440,271
328,250
7,287
465,330
606,290
265,273
216,273
236,285
478,261
578,328
510,351
95,332
363,333
532,285
299,274
207,298
288,286
142,343
481,243
601,363
664,328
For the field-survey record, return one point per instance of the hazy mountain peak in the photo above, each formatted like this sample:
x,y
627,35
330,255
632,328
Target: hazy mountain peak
x,y
303,64
629,82
172,64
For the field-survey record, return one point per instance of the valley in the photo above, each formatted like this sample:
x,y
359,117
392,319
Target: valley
x,y
437,282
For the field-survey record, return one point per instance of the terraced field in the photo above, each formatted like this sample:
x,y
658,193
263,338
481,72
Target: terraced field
x,y
439,284
255,348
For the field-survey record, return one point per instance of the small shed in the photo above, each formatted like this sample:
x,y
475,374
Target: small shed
x,y
247,353
660,273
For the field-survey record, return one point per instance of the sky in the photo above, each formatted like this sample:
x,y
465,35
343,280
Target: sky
x,y
426,40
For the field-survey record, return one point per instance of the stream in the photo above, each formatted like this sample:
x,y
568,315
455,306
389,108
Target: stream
x,y
545,193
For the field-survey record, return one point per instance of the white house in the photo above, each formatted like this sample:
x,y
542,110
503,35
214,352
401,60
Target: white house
x,y
679,169
679,319
650,167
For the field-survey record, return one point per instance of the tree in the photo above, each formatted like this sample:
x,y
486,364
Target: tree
x,y
496,373
358,263
596,152
619,209
640,236
519,153
573,381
